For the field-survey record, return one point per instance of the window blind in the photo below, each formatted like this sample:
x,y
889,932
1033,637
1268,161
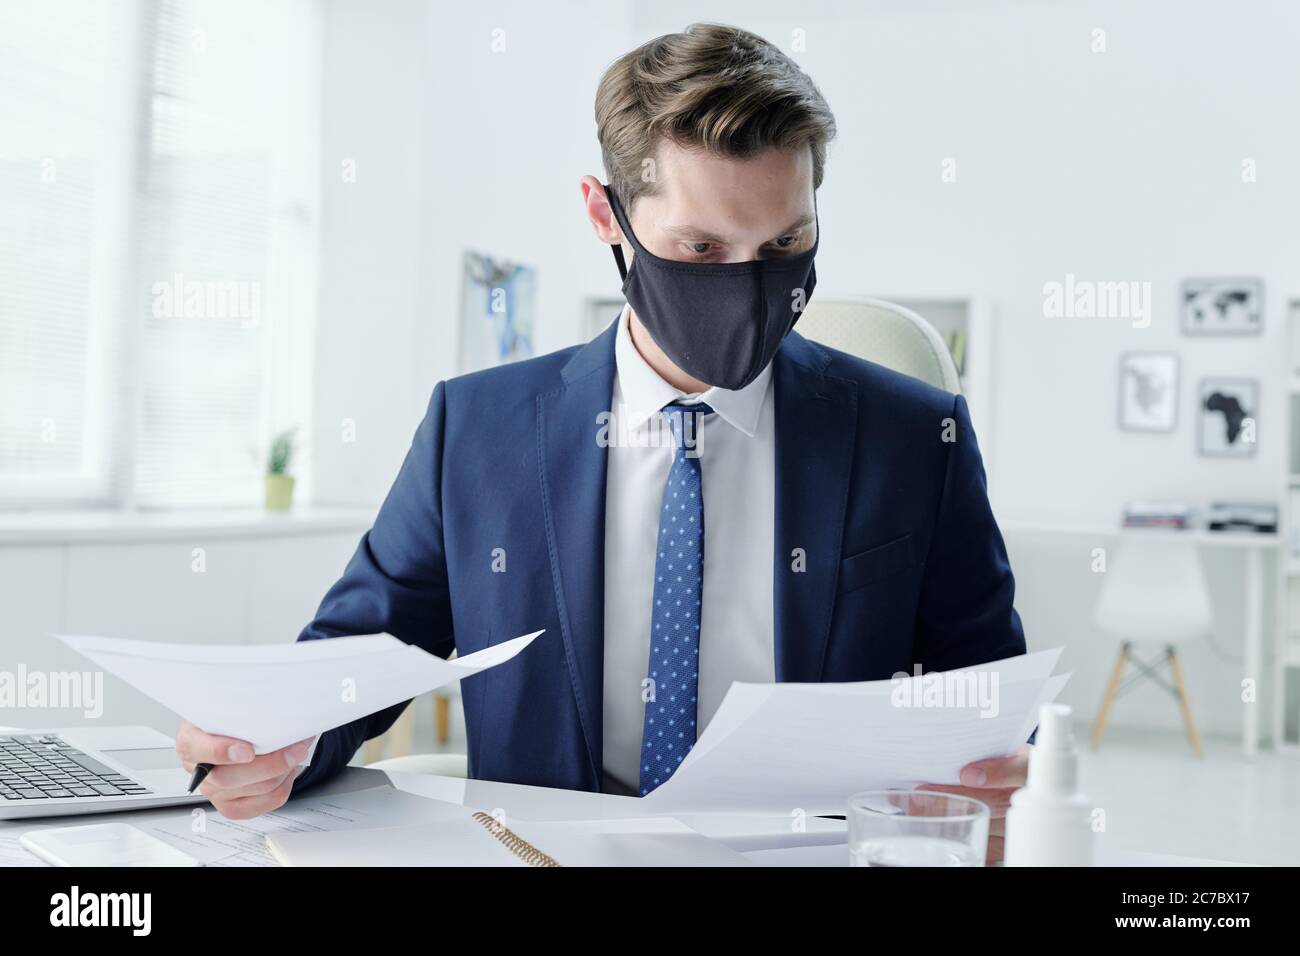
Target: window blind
x,y
158,194
227,224
65,149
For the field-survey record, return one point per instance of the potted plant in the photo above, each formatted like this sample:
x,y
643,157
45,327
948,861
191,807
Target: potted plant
x,y
279,483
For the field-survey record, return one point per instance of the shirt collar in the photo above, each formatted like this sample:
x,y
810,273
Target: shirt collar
x,y
644,393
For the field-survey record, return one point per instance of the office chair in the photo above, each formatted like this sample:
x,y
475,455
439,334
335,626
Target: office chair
x,y
1154,593
884,333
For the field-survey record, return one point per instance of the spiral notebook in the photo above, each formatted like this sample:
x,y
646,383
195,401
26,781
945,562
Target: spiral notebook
x,y
478,839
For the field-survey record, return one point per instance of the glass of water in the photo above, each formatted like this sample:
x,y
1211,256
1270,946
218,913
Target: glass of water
x,y
916,828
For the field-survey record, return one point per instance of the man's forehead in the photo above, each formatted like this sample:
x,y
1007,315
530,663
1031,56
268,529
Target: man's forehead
x,y
771,190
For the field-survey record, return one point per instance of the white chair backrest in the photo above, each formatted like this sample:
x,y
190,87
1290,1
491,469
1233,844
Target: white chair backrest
x,y
884,333
1154,590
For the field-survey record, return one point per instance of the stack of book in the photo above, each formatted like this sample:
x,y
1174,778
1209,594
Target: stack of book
x,y
1141,514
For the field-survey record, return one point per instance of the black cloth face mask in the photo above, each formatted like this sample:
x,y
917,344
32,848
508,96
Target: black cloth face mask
x,y
719,322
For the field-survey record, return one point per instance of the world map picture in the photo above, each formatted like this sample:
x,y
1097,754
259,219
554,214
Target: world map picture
x,y
1222,306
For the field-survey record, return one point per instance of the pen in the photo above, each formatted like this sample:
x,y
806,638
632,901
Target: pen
x,y
200,772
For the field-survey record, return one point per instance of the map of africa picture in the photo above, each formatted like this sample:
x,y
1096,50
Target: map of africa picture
x,y
1228,408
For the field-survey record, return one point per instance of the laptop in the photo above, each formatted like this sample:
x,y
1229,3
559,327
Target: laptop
x,y
76,770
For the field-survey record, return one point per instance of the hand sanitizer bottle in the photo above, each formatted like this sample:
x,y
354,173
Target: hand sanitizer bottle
x,y
1049,822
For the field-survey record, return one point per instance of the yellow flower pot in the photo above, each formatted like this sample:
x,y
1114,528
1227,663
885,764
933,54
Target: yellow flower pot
x,y
279,492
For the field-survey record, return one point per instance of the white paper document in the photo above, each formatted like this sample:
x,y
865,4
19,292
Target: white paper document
x,y
277,694
783,748
355,801
225,842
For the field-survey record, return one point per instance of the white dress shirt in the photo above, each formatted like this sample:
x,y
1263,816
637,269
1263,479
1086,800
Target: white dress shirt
x,y
737,462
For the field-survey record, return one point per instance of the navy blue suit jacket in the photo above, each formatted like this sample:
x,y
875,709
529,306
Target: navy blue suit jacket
x,y
902,561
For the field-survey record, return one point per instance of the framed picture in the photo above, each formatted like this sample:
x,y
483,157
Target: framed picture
x,y
498,303
1228,409
1223,306
1148,391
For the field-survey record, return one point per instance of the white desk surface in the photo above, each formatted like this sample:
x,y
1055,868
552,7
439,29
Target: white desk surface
x,y
765,840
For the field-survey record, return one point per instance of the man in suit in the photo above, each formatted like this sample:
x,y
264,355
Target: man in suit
x,y
698,495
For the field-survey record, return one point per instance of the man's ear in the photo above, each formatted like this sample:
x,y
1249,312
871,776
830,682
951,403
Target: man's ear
x,y
599,212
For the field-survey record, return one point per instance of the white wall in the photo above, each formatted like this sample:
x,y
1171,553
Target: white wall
x,y
458,147
1123,165
373,103
1112,166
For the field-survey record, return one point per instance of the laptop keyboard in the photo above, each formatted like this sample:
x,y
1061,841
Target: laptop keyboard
x,y
46,767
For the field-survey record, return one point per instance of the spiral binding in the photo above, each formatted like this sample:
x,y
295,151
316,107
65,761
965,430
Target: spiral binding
x,y
514,842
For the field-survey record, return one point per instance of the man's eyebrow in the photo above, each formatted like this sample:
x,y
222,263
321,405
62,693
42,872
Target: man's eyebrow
x,y
802,222
693,233
697,234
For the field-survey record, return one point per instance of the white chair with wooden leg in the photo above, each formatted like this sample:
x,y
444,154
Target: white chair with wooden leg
x,y
1154,595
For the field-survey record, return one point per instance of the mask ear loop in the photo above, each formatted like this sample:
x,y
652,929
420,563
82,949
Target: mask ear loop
x,y
618,258
617,247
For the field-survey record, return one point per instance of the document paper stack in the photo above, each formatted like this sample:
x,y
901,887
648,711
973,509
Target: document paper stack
x,y
780,748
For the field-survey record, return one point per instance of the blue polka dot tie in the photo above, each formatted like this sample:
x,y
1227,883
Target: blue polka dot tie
x,y
669,729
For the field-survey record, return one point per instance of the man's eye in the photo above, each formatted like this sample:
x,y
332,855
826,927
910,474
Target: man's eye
x,y
700,248
785,242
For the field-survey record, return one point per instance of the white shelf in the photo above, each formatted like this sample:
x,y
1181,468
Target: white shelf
x,y
1227,539
67,527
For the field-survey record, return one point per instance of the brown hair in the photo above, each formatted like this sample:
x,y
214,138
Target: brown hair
x,y
710,87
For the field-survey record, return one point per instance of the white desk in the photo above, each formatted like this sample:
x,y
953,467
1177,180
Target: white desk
x,y
764,840
1254,546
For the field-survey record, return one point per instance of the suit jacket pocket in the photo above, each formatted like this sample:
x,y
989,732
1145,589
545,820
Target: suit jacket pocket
x,y
882,561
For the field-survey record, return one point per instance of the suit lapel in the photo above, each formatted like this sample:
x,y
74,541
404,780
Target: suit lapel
x,y
816,425
573,469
